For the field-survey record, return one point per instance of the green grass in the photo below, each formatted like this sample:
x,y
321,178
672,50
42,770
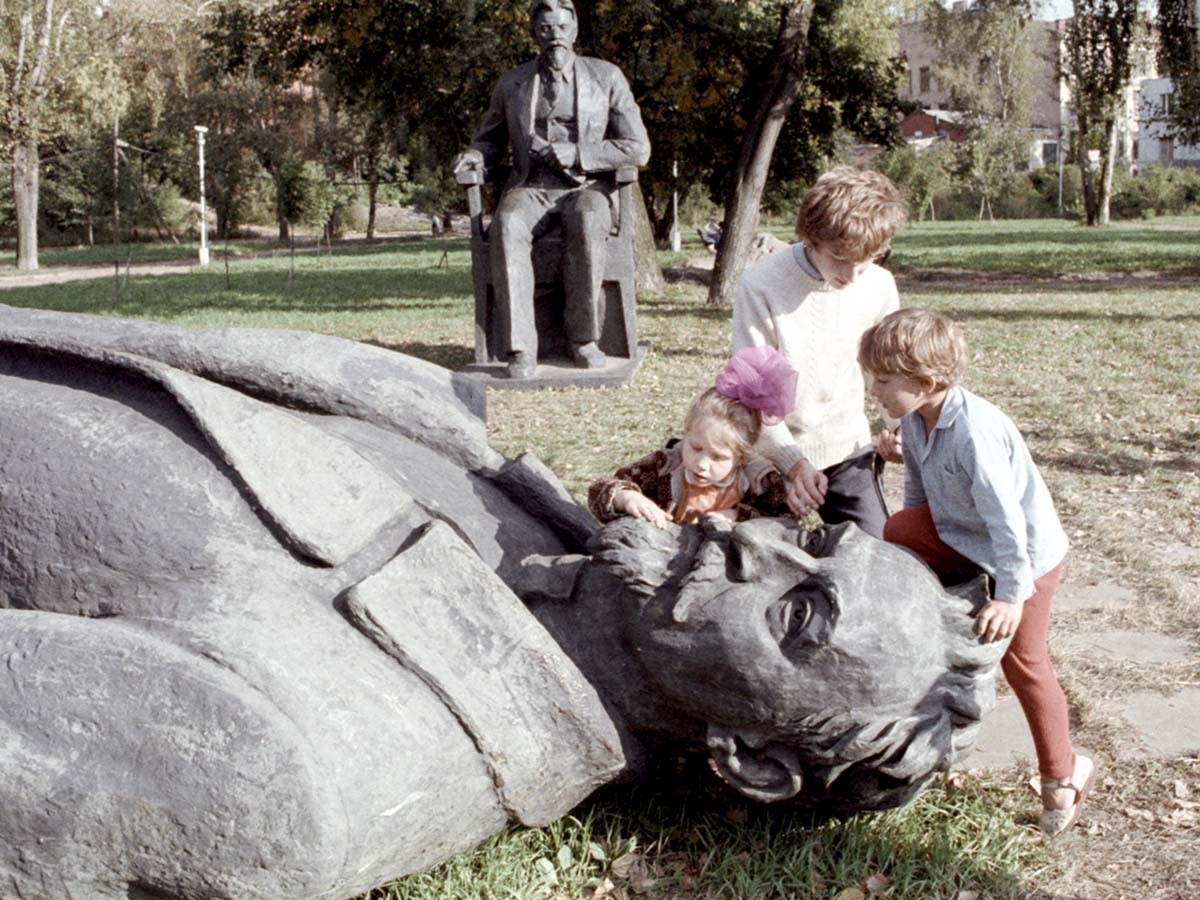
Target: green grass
x,y
1103,382
1048,247
686,839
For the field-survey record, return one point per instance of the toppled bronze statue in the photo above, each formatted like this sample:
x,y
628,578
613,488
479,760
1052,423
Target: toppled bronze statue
x,y
261,632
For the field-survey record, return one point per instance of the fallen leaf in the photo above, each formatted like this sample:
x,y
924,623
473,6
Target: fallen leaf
x,y
546,869
1181,790
604,889
852,893
967,895
1183,817
626,863
876,885
634,868
1144,814
957,779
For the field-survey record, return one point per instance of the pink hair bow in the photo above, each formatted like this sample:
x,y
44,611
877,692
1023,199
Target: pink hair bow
x,y
762,379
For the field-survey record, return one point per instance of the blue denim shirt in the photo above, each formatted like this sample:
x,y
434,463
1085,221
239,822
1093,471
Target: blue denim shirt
x,y
986,496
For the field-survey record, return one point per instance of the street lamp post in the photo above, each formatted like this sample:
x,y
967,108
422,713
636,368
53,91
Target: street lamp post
x,y
675,237
200,132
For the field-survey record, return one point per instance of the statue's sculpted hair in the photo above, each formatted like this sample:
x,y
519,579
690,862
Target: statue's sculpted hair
x,y
537,7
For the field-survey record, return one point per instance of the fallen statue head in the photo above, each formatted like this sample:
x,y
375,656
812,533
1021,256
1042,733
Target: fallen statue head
x,y
281,573
828,667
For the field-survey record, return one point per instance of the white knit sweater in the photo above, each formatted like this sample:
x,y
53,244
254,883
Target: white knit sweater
x,y
817,328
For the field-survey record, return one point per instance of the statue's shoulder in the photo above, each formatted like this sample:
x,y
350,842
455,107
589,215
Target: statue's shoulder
x,y
601,69
514,76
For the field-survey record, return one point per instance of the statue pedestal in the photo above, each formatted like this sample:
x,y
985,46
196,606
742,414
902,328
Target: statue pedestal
x,y
555,373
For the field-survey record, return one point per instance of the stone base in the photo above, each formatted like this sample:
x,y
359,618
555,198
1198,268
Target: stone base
x,y
555,373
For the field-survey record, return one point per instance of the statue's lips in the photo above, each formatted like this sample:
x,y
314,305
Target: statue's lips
x,y
753,765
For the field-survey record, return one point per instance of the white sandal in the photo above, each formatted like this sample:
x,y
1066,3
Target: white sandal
x,y
1054,822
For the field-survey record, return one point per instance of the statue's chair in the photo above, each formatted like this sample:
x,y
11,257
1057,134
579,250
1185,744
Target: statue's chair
x,y
618,333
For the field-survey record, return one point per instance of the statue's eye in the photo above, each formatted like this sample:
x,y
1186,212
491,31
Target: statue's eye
x,y
800,616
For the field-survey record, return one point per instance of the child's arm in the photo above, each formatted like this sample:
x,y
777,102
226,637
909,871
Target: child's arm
x,y
766,494
606,497
987,462
914,486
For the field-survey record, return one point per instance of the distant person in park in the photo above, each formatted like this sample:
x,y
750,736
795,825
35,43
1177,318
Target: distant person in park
x,y
973,499
435,225
710,234
712,470
570,122
813,301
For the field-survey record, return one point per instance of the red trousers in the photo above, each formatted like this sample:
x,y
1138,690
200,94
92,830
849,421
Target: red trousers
x,y
1026,665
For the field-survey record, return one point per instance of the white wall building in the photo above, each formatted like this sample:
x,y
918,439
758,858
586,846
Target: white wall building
x,y
1156,147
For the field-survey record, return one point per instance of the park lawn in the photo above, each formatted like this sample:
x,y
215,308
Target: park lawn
x,y
1101,379
1047,247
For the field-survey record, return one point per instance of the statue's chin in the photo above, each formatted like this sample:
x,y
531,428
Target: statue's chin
x,y
753,765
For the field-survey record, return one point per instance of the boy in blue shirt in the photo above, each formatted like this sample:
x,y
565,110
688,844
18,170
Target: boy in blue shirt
x,y
973,499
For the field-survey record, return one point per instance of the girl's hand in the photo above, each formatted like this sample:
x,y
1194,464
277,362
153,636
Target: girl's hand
x,y
997,620
889,446
638,505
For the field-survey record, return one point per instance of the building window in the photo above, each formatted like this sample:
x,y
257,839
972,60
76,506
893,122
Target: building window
x,y
1050,153
1164,104
924,74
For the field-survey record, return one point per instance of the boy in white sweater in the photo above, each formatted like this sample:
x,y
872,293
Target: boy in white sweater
x,y
812,302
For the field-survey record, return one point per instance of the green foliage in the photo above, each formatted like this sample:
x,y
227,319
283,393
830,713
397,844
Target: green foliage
x,y
1179,59
926,174
1102,46
988,64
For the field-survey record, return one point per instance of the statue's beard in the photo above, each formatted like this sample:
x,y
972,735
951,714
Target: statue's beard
x,y
557,55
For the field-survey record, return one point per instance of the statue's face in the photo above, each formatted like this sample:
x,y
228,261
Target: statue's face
x,y
776,643
555,31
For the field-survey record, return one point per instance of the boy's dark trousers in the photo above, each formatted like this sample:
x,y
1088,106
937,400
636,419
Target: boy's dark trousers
x,y
854,493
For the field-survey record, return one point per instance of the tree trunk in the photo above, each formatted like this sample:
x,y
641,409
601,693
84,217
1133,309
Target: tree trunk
x,y
1086,179
1104,198
25,198
648,274
372,191
285,233
782,87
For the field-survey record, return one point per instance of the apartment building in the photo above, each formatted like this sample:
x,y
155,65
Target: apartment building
x,y
1052,119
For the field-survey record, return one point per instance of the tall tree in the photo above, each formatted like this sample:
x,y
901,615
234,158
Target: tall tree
x,y
781,88
1179,60
987,63
832,68
246,57
1101,53
48,60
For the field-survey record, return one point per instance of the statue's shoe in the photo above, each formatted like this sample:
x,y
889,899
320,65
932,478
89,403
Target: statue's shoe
x,y
522,365
588,356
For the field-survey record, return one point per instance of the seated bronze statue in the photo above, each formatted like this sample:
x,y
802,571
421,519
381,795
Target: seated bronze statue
x,y
570,122
262,619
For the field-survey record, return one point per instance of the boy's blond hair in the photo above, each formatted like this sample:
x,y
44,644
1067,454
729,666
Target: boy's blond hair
x,y
852,213
917,343
744,423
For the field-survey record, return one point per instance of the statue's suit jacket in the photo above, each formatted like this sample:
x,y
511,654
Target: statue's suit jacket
x,y
611,132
